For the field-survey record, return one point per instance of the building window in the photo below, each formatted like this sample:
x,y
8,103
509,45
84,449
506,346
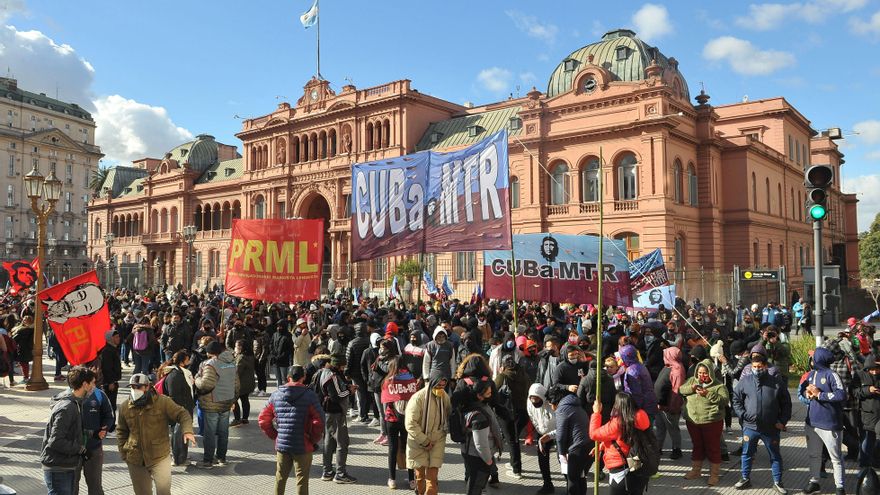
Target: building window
x,y
797,151
260,208
559,184
68,169
86,178
769,255
805,154
198,264
569,64
790,147
68,202
380,268
590,181
679,253
627,177
10,195
633,244
11,171
346,200
677,195
465,266
474,130
9,228
515,123
767,186
693,192
756,254
622,52
514,192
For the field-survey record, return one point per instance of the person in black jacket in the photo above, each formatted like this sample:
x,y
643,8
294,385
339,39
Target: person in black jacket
x,y
572,438
111,366
336,393
282,353
568,374
653,352
353,354
866,387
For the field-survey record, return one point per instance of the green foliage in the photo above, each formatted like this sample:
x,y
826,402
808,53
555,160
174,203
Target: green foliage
x,y
869,255
801,345
407,270
97,180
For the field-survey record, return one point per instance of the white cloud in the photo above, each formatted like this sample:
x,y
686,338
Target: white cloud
x,y
767,16
652,22
865,188
129,130
745,58
8,8
868,131
495,79
528,77
597,29
873,155
870,27
126,129
530,25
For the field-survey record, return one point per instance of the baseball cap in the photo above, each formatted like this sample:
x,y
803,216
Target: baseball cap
x,y
139,379
300,321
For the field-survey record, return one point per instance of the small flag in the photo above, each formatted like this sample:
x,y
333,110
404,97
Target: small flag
x,y
357,296
430,287
22,275
310,17
447,289
395,292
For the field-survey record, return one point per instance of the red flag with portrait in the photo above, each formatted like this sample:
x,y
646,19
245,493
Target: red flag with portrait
x,y
77,312
276,260
22,274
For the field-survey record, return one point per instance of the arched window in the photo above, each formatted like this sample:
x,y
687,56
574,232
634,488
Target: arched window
x,y
559,184
369,140
253,158
627,177
514,192
173,219
206,222
693,192
767,187
793,207
215,217
197,218
164,226
97,231
304,148
678,193
800,208
331,138
633,244
313,146
386,133
226,217
754,192
259,208
590,181
294,147
322,144
236,210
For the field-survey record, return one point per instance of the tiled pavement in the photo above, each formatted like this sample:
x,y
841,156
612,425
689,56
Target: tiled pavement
x,y
252,462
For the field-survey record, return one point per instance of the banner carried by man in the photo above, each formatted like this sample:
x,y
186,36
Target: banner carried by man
x,y
559,268
276,260
432,202
78,315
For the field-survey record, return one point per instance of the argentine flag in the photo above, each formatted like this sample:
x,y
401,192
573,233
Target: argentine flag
x,y
310,18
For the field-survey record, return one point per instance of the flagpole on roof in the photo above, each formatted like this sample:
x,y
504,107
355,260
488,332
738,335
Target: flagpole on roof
x,y
318,34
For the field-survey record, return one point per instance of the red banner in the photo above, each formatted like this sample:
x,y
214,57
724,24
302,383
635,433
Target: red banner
x,y
22,274
77,313
276,260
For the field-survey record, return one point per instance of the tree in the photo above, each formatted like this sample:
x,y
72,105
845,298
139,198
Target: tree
x,y
408,269
97,181
869,259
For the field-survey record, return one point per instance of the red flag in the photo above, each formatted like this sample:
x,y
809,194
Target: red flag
x,y
77,312
22,274
276,260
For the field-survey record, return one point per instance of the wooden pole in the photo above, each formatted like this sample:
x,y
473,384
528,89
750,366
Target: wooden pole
x,y
600,273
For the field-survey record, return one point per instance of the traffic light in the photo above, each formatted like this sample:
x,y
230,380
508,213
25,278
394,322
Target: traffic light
x,y
817,180
830,286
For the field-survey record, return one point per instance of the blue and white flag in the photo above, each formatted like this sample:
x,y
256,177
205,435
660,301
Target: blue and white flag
x,y
447,289
310,17
357,295
430,287
394,293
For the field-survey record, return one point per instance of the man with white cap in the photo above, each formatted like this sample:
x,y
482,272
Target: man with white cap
x,y
142,433
439,355
301,341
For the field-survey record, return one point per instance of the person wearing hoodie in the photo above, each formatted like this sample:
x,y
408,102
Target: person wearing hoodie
x,y
353,354
301,340
294,419
512,384
667,388
654,347
547,361
63,449
845,363
426,420
572,439
218,386
179,386
824,394
368,357
97,421
867,390
616,438
483,445
414,353
244,368
706,398
142,435
281,355
758,349
637,382
507,348
439,354
544,420
111,366
763,404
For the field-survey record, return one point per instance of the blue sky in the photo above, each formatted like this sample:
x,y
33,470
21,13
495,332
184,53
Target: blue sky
x,y
158,72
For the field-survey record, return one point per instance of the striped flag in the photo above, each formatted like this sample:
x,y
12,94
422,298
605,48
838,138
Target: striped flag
x,y
447,289
310,17
430,287
394,293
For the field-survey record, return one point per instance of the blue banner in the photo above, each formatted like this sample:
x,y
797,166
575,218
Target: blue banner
x,y
648,272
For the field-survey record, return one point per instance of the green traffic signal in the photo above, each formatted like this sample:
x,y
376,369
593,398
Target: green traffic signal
x,y
817,212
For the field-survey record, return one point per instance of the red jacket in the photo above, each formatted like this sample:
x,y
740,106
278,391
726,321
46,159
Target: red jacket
x,y
609,432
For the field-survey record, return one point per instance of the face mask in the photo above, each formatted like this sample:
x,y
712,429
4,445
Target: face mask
x,y
649,339
573,340
438,392
761,373
573,361
537,403
509,345
136,394
705,379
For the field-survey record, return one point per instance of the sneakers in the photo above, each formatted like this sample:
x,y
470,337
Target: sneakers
x,y
374,423
245,422
743,484
60,378
235,423
841,491
514,475
392,484
327,476
383,441
412,484
344,479
220,462
546,489
380,439
205,465
778,488
676,454
812,487
353,413
364,421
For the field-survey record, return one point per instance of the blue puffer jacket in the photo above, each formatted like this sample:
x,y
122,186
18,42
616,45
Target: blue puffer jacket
x,y
293,417
637,381
761,402
826,411
97,413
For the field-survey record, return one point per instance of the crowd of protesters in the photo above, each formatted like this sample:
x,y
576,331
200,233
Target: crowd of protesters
x,y
443,372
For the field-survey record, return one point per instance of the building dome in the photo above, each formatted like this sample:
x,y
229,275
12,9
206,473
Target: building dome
x,y
622,54
199,154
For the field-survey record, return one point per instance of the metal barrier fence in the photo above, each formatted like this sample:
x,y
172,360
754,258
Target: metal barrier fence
x,y
707,285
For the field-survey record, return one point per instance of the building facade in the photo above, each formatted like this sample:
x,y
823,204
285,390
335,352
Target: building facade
x,y
50,135
712,186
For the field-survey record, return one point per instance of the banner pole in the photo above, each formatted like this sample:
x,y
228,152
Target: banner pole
x,y
512,256
318,36
601,275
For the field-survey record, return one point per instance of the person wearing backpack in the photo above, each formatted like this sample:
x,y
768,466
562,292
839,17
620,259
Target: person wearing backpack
x,y
398,387
572,439
706,399
484,437
512,384
763,404
175,336
616,438
141,339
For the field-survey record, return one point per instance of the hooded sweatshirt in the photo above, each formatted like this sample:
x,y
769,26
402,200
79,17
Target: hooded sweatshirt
x,y
111,363
869,403
709,409
669,381
637,381
747,370
438,357
63,439
826,411
543,418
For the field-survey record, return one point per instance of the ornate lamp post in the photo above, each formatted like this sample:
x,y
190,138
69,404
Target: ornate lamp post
x,y
37,187
108,241
189,236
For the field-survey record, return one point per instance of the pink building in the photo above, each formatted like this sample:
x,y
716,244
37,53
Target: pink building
x,y
713,186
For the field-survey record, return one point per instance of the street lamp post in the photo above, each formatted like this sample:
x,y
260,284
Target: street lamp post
x,y
37,187
189,236
108,241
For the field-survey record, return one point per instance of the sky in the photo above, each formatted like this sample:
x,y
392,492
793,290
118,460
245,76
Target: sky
x,y
156,73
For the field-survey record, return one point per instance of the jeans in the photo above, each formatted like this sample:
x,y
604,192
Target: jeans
x,y
364,400
124,352
668,422
61,482
179,447
281,374
478,474
216,435
831,440
60,361
377,397
141,362
92,471
336,440
866,452
750,446
300,463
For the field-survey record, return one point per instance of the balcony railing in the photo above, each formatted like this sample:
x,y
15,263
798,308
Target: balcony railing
x,y
557,209
626,205
589,207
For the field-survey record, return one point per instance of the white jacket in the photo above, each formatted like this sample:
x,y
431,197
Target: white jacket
x,y
543,418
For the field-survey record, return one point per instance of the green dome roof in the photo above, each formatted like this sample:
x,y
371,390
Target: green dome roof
x,y
621,53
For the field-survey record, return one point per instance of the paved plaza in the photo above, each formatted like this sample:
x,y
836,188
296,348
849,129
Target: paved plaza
x,y
252,462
